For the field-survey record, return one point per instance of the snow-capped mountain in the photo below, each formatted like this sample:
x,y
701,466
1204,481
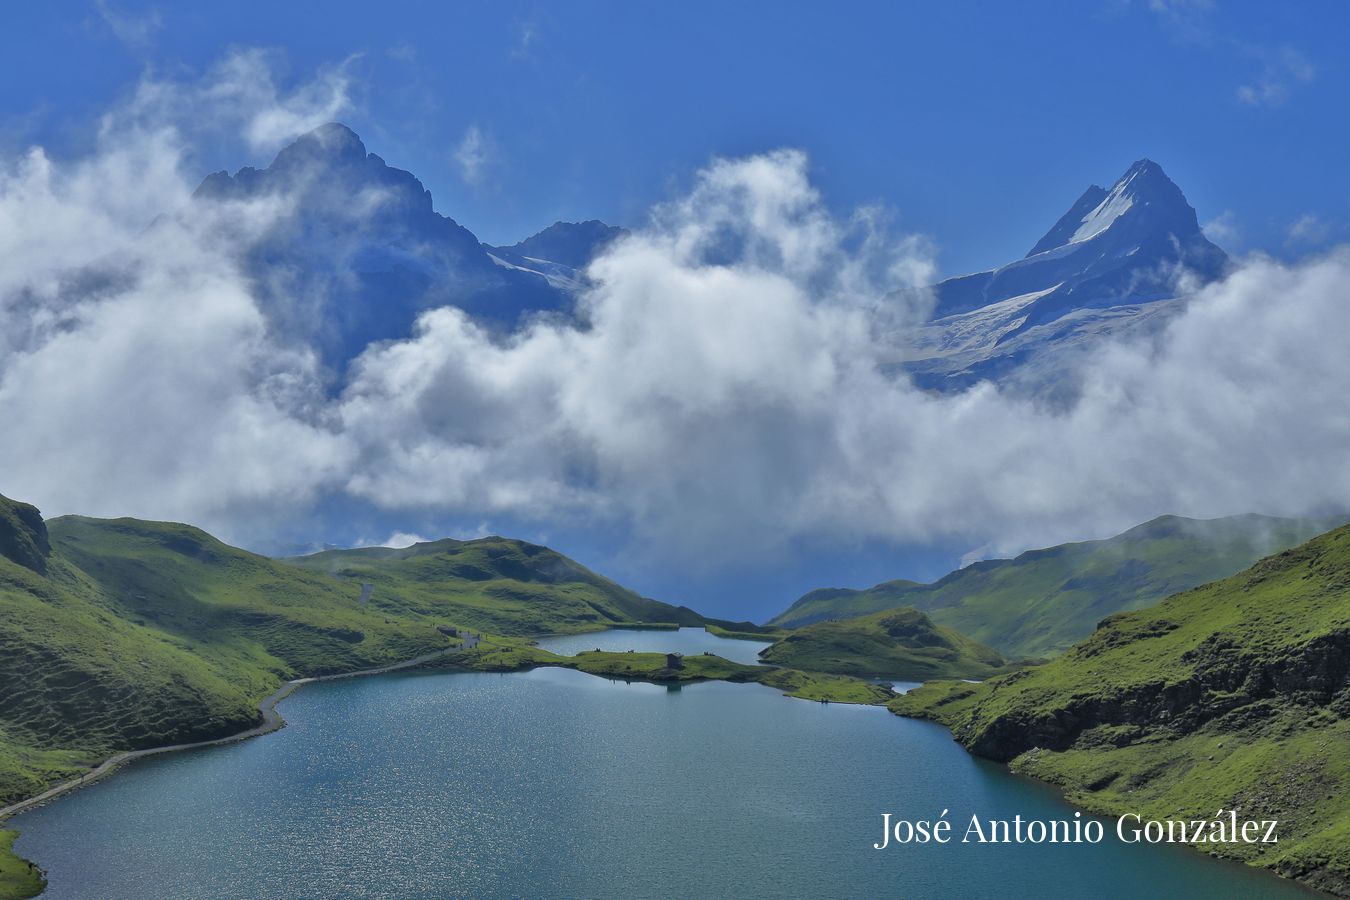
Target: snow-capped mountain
x,y
360,251
572,244
1109,266
560,252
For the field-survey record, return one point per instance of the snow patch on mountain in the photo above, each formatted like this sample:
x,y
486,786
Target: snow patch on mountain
x,y
558,276
978,330
1111,267
1100,219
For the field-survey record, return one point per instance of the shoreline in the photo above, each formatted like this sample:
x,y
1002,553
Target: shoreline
x,y
272,721
1105,811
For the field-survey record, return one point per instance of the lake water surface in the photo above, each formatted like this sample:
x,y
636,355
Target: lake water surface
x,y
553,783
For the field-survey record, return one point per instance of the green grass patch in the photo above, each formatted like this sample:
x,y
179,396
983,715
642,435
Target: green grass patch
x,y
19,879
767,635
496,585
899,643
824,687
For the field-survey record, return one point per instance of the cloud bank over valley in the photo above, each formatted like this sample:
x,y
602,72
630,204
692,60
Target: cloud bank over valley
x,y
725,386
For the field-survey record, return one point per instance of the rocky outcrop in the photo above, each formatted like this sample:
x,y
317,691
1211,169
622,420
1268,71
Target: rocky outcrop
x,y
23,535
1225,683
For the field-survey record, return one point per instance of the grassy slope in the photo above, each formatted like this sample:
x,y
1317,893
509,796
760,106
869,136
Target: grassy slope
x,y
1235,695
122,634
1043,601
141,634
498,585
762,633
826,604
898,643
17,880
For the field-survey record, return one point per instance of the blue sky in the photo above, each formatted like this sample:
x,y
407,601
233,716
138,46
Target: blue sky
x,y
976,124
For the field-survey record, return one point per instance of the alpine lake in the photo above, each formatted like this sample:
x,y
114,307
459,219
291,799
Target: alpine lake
x,y
555,783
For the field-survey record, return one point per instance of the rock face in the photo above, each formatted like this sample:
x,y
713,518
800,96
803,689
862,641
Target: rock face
x,y
1110,265
560,253
23,535
358,251
1235,688
572,244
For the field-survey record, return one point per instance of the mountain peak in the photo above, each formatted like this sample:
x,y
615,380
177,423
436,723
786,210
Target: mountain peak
x,y
331,143
573,244
329,167
1120,250
363,239
1146,181
1143,165
1144,199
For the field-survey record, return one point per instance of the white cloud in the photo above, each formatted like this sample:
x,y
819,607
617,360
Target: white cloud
x,y
137,376
473,154
133,30
239,97
1180,8
1308,230
400,539
1187,21
1181,11
726,395
1282,69
278,116
1223,229
527,35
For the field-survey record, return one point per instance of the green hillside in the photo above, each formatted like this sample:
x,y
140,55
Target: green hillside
x,y
123,634
900,643
1041,602
1235,695
825,604
132,634
499,585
